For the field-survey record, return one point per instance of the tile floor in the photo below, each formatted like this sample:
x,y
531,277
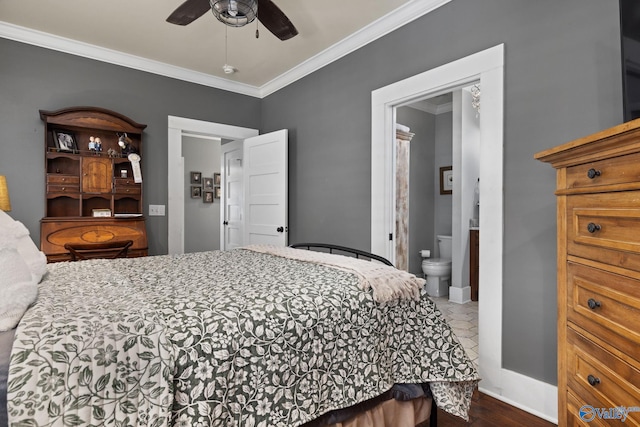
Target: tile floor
x,y
463,319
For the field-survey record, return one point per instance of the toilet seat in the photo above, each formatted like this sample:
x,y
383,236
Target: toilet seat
x,y
436,261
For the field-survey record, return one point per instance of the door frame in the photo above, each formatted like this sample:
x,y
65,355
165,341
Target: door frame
x,y
487,66
177,126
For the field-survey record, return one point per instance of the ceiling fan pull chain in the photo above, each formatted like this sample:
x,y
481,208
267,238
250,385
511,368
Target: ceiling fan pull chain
x,y
258,21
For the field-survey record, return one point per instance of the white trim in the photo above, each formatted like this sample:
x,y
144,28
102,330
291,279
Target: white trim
x,y
386,24
530,395
460,295
86,50
177,127
488,67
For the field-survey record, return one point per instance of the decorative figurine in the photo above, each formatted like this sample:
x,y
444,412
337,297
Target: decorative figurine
x,y
112,153
98,144
125,144
92,144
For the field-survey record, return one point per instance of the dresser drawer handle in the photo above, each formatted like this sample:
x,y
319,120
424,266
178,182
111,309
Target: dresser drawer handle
x,y
593,227
594,381
593,304
592,173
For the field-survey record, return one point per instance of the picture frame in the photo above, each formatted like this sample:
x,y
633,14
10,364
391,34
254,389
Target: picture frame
x,y
446,180
217,193
207,183
216,179
65,141
196,177
196,192
208,197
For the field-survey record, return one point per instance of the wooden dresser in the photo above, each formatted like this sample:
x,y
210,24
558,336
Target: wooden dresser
x,y
598,203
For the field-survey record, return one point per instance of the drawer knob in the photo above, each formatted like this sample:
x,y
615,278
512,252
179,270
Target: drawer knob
x,y
592,173
593,304
594,381
593,227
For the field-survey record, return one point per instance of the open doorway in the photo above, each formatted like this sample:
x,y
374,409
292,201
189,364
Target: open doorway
x,y
485,67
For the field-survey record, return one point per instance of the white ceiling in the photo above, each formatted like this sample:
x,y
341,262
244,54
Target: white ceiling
x,y
135,33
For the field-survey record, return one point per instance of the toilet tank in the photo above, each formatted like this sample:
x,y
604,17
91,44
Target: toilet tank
x,y
444,245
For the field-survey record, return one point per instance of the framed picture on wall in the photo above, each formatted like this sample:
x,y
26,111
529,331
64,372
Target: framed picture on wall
x,y
216,179
196,178
207,183
196,192
208,197
446,180
216,193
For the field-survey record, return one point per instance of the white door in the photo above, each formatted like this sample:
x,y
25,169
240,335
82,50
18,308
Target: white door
x,y
266,189
231,196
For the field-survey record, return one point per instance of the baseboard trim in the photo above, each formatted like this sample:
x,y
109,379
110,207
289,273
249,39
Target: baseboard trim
x,y
460,295
526,393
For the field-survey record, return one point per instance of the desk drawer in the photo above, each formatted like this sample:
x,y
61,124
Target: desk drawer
x,y
605,227
58,179
599,379
607,305
616,170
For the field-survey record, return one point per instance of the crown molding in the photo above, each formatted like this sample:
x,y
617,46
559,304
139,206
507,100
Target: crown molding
x,y
379,28
86,50
386,24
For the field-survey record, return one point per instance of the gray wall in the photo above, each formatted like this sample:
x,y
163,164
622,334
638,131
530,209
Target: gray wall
x,y
421,183
562,81
443,156
33,78
201,220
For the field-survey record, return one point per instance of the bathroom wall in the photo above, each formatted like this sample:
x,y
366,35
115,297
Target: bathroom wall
x,y
421,206
442,157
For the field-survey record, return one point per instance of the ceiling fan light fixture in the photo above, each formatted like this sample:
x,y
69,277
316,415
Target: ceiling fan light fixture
x,y
234,13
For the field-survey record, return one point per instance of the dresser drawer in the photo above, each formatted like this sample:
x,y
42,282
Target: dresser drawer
x,y
605,227
577,418
58,179
599,379
616,170
63,188
126,186
607,305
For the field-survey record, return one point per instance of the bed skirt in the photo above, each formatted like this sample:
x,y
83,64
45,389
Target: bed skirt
x,y
394,413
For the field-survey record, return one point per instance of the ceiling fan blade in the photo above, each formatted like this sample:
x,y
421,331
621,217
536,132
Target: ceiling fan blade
x,y
189,11
275,20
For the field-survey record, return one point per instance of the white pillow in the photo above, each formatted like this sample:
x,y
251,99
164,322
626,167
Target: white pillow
x,y
18,290
15,234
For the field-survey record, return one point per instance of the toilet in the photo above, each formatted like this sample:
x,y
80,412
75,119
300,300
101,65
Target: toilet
x,y
437,271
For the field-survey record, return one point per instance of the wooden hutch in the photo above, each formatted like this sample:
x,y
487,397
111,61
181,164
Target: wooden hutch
x,y
91,196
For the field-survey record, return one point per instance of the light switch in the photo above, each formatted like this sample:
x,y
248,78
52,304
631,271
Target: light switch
x,y
156,210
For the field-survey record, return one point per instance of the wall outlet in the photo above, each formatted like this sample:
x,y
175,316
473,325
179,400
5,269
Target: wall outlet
x,y
156,210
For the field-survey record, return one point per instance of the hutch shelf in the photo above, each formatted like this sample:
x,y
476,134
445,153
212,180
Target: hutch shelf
x,y
93,191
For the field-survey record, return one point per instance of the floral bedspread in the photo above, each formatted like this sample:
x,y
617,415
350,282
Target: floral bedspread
x,y
234,338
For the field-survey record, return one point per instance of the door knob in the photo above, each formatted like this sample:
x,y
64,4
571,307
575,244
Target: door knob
x,y
280,229
225,222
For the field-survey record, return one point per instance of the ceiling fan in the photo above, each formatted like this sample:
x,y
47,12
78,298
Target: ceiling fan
x,y
237,13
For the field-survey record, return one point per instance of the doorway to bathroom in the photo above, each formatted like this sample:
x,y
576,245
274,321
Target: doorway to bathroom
x,y
487,68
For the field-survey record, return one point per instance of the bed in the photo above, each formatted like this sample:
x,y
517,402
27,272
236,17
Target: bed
x,y
256,336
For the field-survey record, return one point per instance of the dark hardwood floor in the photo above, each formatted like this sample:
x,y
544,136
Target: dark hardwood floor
x,y
487,411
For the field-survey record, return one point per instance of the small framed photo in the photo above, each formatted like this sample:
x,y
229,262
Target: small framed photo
x,y
446,180
196,192
216,179
65,141
196,178
208,197
216,193
207,183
